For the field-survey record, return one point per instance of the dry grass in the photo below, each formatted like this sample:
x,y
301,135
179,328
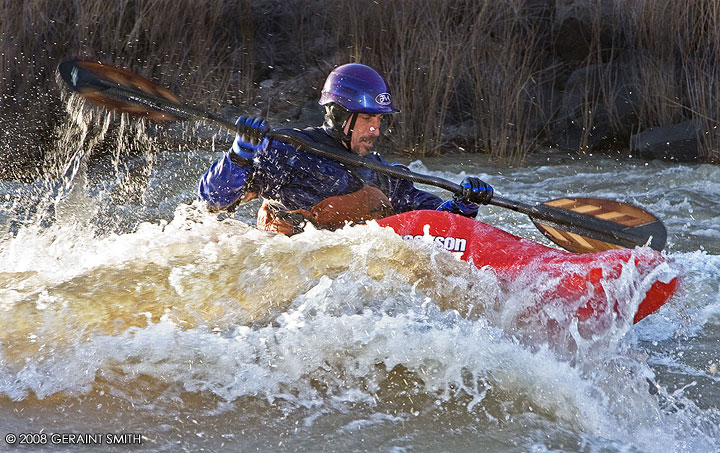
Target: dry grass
x,y
504,68
461,61
203,48
418,45
678,62
481,63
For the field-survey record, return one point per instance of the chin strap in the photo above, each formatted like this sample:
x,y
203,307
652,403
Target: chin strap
x,y
347,138
336,119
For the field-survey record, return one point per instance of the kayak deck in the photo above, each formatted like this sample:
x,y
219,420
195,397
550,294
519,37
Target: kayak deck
x,y
574,276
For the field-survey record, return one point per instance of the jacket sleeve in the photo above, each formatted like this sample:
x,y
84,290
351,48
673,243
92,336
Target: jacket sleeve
x,y
404,196
225,183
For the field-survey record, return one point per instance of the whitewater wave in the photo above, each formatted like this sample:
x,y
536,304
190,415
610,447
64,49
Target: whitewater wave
x,y
219,316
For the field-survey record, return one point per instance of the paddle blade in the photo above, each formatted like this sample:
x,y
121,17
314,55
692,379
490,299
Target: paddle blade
x,y
117,89
627,226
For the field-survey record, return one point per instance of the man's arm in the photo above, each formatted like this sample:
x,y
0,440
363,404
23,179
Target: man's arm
x,y
224,185
403,194
227,181
406,197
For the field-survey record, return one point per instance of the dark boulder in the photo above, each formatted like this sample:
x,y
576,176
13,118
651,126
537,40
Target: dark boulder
x,y
576,34
681,142
595,114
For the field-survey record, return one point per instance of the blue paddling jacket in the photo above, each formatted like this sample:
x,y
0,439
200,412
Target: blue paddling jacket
x,y
293,179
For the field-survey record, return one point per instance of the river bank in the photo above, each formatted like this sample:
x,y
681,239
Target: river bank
x,y
504,78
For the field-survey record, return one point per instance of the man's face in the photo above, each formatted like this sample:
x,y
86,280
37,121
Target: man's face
x,y
365,132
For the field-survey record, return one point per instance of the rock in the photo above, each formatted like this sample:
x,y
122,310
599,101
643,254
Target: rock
x,y
609,109
459,136
572,39
679,142
575,24
311,114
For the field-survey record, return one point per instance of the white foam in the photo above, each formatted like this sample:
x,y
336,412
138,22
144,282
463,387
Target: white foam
x,y
316,323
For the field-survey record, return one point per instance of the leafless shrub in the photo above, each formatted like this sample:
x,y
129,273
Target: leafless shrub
x,y
677,49
475,62
503,63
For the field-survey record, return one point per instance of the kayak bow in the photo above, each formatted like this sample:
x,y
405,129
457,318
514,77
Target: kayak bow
x,y
576,277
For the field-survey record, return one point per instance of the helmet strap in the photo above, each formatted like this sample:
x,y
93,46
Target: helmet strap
x,y
337,119
347,137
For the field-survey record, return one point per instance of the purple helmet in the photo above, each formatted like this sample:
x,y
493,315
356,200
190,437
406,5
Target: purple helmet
x,y
359,89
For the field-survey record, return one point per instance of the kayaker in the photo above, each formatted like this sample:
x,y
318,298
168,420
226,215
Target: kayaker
x,y
297,187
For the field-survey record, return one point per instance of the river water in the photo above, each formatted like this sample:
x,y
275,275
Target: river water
x,y
128,310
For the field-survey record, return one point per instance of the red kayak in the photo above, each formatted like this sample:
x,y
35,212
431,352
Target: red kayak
x,y
575,277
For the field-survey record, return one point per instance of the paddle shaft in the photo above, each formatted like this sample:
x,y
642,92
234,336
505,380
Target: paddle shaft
x,y
571,221
595,228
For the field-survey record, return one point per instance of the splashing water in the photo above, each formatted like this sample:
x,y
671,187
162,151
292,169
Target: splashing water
x,y
127,307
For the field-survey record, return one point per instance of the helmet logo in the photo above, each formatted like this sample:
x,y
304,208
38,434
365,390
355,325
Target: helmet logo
x,y
383,99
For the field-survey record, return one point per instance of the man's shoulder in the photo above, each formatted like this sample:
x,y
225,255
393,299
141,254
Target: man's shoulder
x,y
297,142
287,141
286,147
311,135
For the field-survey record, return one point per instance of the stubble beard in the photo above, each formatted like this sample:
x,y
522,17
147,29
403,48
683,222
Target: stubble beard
x,y
364,145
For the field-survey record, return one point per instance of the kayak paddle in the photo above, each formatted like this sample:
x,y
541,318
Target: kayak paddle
x,y
577,224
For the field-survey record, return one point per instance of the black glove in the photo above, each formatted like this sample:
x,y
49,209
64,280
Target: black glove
x,y
475,190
